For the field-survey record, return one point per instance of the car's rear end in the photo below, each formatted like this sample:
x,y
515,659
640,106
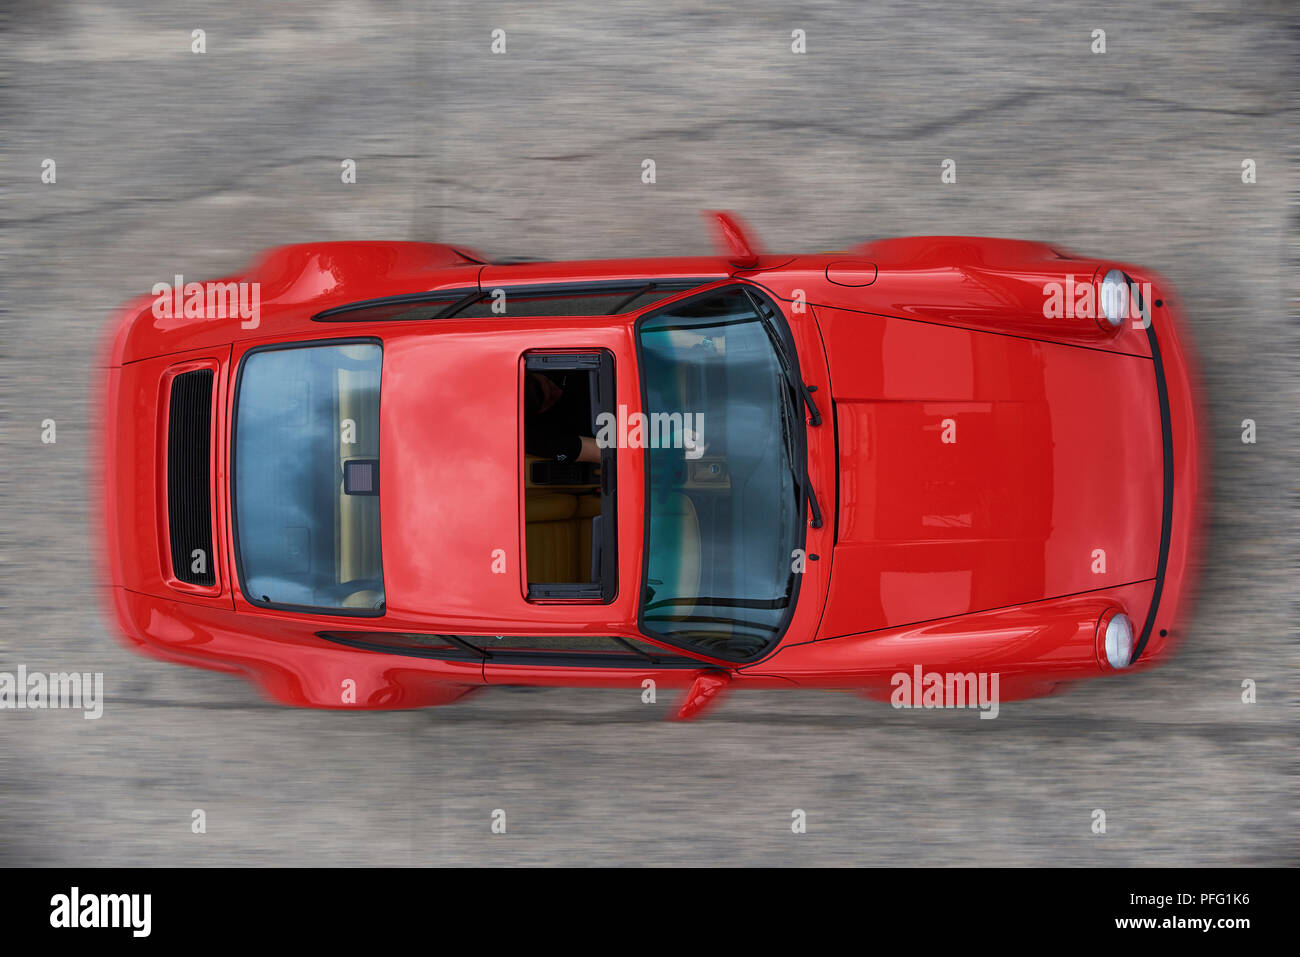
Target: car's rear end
x,y
163,395
157,474
166,540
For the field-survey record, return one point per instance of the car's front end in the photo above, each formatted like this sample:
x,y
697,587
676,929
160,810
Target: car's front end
x,y
1159,628
1019,484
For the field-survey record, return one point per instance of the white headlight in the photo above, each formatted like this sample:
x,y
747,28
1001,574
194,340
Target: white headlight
x,y
1119,640
1114,298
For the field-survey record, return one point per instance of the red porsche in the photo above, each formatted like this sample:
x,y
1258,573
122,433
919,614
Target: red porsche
x,y
389,474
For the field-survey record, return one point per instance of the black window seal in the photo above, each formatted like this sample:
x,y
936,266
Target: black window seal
x,y
471,295
460,305
562,659
605,588
368,641
637,294
465,650
598,287
340,313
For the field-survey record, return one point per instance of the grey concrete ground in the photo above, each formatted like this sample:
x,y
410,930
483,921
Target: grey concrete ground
x,y
174,162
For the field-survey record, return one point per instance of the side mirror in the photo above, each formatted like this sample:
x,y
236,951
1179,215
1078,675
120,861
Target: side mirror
x,y
703,693
733,240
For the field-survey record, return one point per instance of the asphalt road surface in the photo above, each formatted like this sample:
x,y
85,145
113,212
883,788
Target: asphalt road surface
x,y
170,161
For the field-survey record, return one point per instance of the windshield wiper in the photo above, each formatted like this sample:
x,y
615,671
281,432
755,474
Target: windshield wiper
x,y
808,390
796,384
783,355
812,501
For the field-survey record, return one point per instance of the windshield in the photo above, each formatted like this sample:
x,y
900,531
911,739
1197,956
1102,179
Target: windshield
x,y
723,505
306,477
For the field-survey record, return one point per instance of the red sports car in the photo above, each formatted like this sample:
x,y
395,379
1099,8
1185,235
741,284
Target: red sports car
x,y
388,474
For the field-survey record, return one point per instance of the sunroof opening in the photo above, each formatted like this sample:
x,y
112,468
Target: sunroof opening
x,y
569,479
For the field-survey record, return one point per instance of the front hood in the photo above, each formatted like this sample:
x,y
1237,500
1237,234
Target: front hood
x,y
980,470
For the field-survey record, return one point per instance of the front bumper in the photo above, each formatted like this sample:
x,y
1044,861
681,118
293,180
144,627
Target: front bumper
x,y
1184,479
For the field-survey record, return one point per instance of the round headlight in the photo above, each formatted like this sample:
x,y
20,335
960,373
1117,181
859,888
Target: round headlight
x,y
1114,298
1118,640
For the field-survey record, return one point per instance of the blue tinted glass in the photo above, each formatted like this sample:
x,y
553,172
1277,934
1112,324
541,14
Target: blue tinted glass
x,y
724,521
303,414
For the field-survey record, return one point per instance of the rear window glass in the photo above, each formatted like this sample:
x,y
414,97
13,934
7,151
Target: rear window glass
x,y
306,477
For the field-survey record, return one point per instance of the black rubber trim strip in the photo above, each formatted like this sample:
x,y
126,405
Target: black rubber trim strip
x,y
595,287
461,304
544,290
339,313
1167,510
465,650
359,640
606,584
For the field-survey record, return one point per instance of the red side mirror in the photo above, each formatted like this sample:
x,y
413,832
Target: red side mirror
x,y
704,691
733,240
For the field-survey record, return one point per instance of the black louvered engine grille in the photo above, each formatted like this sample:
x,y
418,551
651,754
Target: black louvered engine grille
x,y
189,504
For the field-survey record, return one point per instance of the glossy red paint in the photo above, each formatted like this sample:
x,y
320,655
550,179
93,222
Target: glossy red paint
x,y
704,693
733,236
981,471
976,457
